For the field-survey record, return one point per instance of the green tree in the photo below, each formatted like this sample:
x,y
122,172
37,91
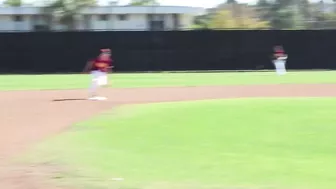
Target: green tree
x,y
263,9
284,14
324,21
224,20
143,2
231,1
305,9
283,19
13,3
202,22
65,11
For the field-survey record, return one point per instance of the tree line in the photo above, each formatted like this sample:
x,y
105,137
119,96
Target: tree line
x,y
266,14
270,14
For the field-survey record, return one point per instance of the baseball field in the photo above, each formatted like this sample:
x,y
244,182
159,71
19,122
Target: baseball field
x,y
250,130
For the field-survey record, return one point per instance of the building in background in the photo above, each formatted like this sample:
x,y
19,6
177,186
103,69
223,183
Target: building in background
x,y
102,18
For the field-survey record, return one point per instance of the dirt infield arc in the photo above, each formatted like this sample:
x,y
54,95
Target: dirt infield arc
x,y
27,117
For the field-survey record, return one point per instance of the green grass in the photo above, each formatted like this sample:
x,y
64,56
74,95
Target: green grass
x,y
224,144
30,82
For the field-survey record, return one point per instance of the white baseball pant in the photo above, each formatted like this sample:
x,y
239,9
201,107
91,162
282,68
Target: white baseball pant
x,y
99,79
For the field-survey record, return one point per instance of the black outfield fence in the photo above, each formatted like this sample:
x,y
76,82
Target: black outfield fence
x,y
49,52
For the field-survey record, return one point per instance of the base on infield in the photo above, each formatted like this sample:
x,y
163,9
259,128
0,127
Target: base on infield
x,y
97,98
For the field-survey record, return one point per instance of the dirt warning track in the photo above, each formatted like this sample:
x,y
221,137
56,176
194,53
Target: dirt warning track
x,y
27,117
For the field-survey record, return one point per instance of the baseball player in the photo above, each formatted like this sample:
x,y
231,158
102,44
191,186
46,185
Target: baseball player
x,y
99,69
279,60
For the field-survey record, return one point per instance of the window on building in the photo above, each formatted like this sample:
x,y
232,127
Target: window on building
x,y
157,17
176,21
17,18
156,26
41,28
123,17
103,17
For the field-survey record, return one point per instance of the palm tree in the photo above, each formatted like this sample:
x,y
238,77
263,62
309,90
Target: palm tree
x,y
65,11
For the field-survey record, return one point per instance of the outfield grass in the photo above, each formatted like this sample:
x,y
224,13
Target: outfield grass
x,y
247,143
30,82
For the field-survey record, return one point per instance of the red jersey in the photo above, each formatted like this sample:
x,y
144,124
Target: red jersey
x,y
101,65
279,53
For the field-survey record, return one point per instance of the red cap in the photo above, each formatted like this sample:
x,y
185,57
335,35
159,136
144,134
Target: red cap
x,y
105,50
